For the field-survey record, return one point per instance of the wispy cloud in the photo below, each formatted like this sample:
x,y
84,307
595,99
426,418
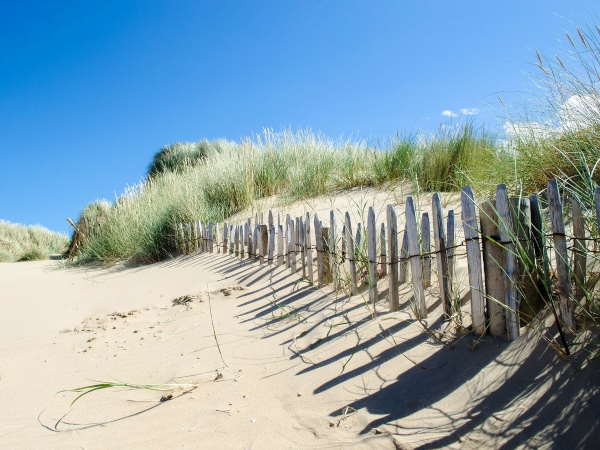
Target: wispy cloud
x,y
469,111
449,113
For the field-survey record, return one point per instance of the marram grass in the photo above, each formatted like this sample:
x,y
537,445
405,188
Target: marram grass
x,y
28,243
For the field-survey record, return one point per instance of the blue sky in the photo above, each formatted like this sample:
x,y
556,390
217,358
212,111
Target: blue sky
x,y
90,90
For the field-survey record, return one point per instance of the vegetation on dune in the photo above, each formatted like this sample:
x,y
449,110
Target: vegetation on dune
x,y
28,243
212,180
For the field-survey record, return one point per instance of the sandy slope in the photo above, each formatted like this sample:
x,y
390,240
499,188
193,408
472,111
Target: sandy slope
x,y
298,367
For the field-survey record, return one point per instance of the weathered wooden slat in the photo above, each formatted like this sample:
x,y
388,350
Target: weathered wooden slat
x,y
561,254
450,236
382,252
292,247
351,255
426,249
224,246
471,232
309,250
319,247
372,254
270,219
264,243
180,239
194,236
392,241
300,240
271,251
327,278
507,234
493,264
231,243
403,260
420,308
280,246
333,250
287,240
579,249
236,240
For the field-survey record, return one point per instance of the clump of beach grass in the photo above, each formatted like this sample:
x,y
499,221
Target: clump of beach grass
x,y
27,243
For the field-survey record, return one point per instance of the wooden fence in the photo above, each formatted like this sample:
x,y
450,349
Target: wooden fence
x,y
514,258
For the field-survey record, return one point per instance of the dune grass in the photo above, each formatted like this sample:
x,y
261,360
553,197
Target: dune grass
x,y
28,243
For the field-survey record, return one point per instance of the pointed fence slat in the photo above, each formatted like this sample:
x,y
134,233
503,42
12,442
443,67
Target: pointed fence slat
x,y
309,252
505,228
292,247
327,278
403,260
300,233
493,263
439,239
372,254
426,249
271,240
333,249
392,241
450,237
382,252
351,255
264,243
471,231
414,254
560,250
319,247
280,246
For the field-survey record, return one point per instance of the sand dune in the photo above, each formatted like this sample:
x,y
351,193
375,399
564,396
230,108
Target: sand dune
x,y
265,361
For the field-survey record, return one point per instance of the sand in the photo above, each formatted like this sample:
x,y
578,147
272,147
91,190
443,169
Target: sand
x,y
265,361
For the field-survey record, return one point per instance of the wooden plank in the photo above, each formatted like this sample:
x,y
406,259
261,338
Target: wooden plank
x,y
351,255
270,222
505,229
309,252
403,260
414,254
231,243
426,249
271,252
236,240
300,244
471,232
372,255
579,249
382,252
392,241
224,238
319,247
264,242
287,240
292,247
180,239
280,246
327,278
450,236
194,236
561,254
493,264
333,250
439,239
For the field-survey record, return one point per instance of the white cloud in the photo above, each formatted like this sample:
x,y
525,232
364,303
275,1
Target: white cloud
x,y
469,111
449,113
529,130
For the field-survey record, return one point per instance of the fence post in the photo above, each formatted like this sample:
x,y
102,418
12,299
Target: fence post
x,y
319,246
224,238
309,252
256,241
403,264
351,255
180,239
236,240
579,249
439,238
287,240
382,251
271,240
372,254
493,263
392,238
426,249
264,243
471,230
327,278
250,240
280,258
506,232
292,247
415,259
300,241
450,250
333,249
561,255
